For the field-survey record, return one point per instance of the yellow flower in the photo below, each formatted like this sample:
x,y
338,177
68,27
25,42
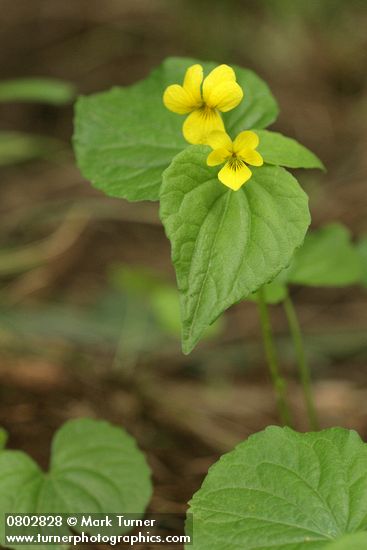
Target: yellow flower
x,y
235,154
220,92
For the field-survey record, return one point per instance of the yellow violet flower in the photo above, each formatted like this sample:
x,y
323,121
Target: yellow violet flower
x,y
236,155
219,92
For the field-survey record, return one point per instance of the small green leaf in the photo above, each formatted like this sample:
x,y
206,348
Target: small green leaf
x,y
284,151
125,138
355,541
274,292
95,468
3,438
40,90
166,307
327,258
226,244
18,147
362,252
282,489
161,296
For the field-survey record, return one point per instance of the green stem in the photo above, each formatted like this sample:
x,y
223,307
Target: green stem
x,y
303,368
278,381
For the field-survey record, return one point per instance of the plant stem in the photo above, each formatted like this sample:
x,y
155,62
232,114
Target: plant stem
x,y
278,381
303,368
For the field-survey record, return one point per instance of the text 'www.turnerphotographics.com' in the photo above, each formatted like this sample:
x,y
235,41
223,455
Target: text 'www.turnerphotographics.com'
x,y
113,529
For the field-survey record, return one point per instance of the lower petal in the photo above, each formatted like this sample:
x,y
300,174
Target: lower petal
x,y
200,123
234,178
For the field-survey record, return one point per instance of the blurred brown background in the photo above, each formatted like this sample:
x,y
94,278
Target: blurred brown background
x,y
77,338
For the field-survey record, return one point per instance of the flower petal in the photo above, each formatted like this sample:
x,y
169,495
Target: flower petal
x,y
251,157
192,83
225,96
218,140
200,123
222,73
234,178
246,140
178,100
217,157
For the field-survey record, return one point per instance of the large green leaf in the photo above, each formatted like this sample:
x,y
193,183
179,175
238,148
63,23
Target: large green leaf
x,y
42,90
284,151
95,468
124,138
283,490
327,258
226,244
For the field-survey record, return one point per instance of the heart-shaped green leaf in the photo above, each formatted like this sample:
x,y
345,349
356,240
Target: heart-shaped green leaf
x,y
95,468
284,490
226,244
125,138
284,151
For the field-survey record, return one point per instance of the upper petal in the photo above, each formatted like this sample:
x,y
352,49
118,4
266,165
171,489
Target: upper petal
x,y
246,140
225,96
218,139
251,157
217,157
192,83
178,100
234,178
200,123
222,73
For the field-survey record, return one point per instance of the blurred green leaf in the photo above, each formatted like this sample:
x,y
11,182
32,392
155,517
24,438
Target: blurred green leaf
x,y
166,307
136,280
216,234
284,151
94,466
275,291
160,295
115,317
16,147
362,251
3,438
40,90
125,138
327,258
